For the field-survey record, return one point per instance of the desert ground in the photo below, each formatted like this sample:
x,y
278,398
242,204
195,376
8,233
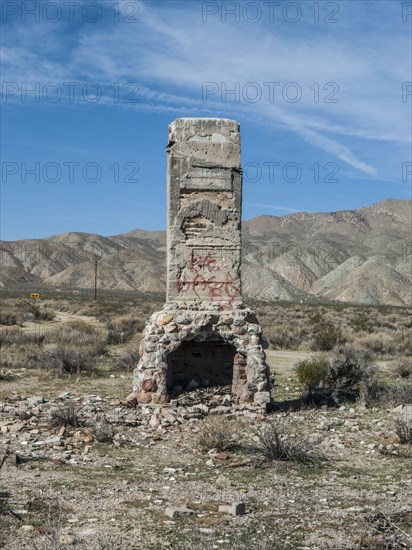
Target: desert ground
x,y
83,468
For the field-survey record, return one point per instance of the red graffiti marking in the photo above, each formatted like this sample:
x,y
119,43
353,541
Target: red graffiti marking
x,y
196,277
226,289
197,263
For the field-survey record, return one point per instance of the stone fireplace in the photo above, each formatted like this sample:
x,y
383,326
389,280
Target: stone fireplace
x,y
200,364
204,336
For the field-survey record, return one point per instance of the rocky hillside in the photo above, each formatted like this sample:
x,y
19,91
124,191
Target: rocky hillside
x,y
359,256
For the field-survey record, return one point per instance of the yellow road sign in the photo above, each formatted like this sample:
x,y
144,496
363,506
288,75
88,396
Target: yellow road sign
x,y
34,295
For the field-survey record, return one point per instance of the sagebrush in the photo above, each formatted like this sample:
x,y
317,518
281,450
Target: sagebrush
x,y
272,444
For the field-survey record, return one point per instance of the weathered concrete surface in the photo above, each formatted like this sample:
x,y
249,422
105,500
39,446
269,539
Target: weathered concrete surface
x,y
204,335
204,198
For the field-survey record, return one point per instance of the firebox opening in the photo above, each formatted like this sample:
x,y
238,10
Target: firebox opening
x,y
200,364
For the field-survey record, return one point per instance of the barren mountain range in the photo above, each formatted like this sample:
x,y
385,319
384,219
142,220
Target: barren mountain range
x,y
361,256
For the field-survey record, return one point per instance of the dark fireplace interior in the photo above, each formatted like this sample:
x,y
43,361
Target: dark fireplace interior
x,y
206,363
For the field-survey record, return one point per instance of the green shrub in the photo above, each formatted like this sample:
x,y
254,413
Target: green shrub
x,y
342,375
326,336
311,373
362,322
403,429
349,369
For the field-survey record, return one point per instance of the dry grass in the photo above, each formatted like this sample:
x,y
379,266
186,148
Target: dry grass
x,y
63,360
12,336
271,444
128,358
385,331
10,316
78,333
122,329
383,395
217,433
403,367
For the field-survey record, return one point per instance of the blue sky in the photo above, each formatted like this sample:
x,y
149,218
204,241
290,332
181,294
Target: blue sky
x,y
317,91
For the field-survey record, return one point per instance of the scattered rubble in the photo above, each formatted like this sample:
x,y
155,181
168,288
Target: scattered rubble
x,y
150,467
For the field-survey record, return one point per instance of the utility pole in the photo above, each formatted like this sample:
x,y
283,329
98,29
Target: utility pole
x,y
95,279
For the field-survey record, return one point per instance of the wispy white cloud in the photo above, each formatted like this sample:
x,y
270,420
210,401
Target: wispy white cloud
x,y
170,53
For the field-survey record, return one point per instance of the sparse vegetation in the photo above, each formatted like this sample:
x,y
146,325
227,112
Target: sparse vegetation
x,y
326,336
127,359
385,532
362,323
384,331
10,317
311,373
65,360
12,336
281,336
107,541
122,329
78,333
65,415
403,367
107,444
103,431
383,395
348,369
271,444
217,433
403,429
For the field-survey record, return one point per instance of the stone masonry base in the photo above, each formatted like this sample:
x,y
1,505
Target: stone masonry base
x,y
185,348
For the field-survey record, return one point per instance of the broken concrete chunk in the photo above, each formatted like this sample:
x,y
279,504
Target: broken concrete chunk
x,y
172,511
234,509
